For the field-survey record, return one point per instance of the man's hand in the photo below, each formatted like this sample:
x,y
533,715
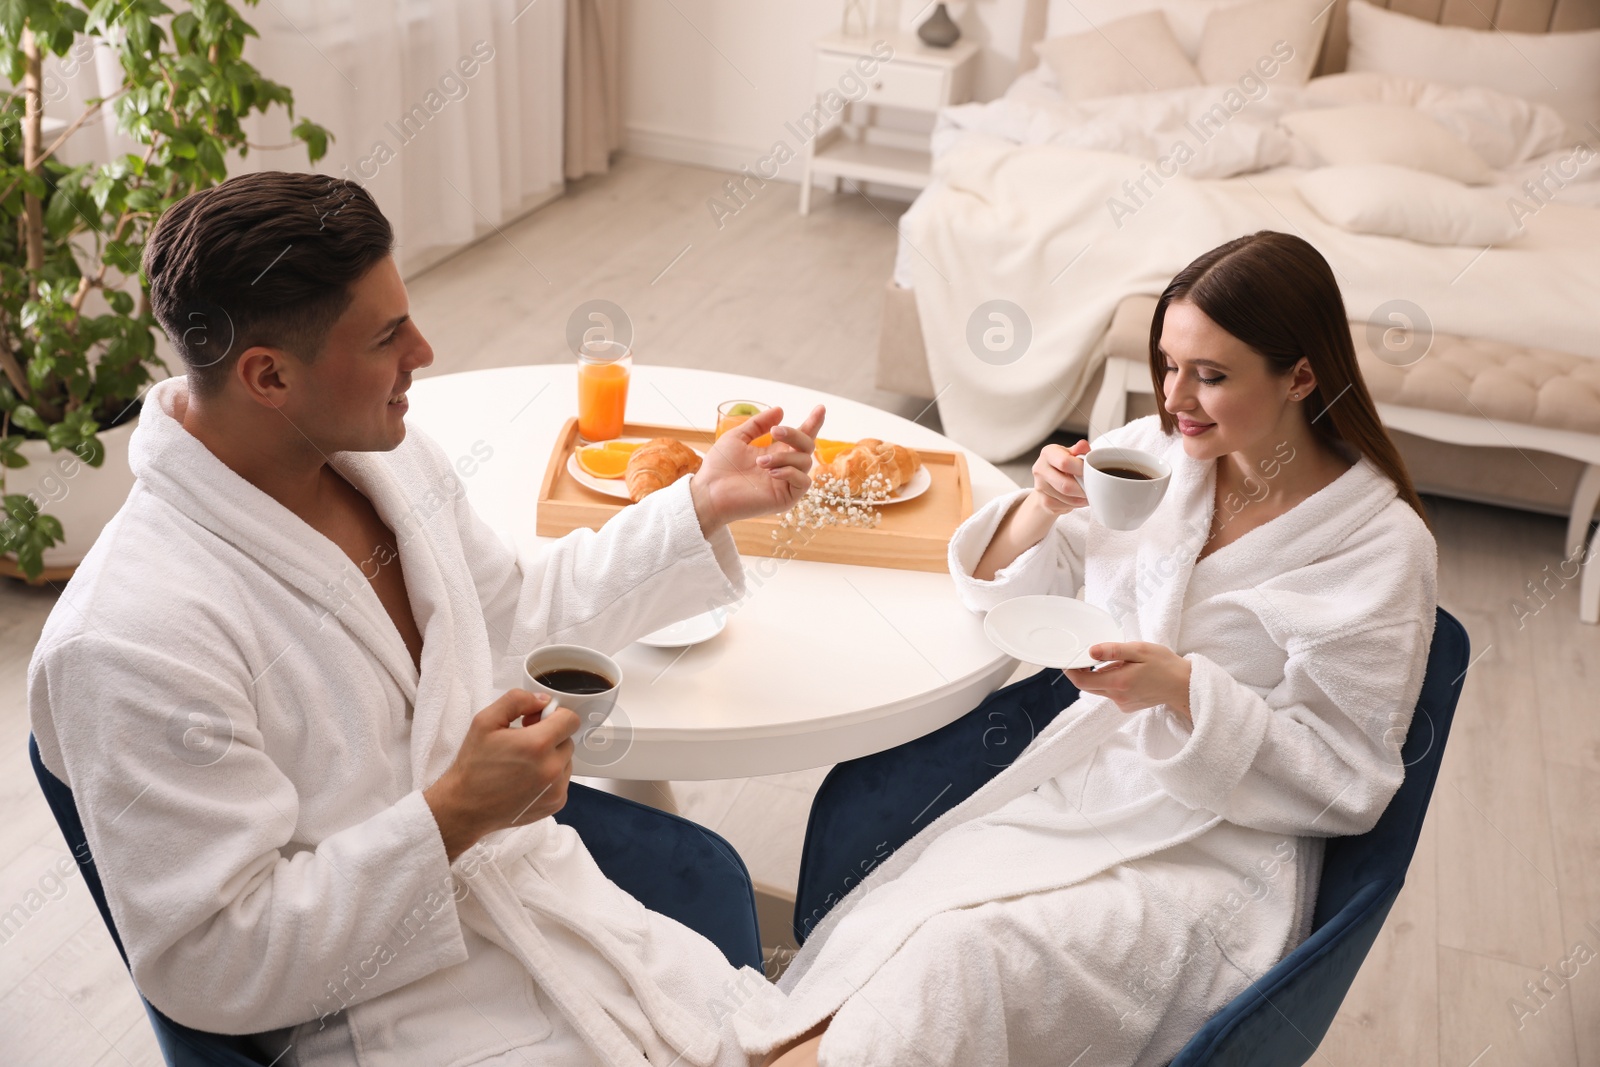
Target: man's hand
x,y
504,775
1138,675
740,481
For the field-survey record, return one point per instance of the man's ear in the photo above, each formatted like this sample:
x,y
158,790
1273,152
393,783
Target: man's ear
x,y
266,375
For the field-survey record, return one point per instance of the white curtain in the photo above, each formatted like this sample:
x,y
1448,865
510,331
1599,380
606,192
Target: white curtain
x,y
448,111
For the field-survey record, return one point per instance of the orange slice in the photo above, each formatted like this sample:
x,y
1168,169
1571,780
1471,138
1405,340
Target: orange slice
x,y
827,451
602,461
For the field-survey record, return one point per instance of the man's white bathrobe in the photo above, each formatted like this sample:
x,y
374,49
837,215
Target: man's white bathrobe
x,y
247,739
1127,877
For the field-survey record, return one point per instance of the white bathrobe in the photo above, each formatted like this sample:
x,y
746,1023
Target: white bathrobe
x,y
247,739
1127,876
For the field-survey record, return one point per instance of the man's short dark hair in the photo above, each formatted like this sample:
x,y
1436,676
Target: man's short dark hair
x,y
263,259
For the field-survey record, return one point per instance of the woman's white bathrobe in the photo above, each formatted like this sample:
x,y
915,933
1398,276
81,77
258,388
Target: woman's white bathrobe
x,y
1127,877
247,736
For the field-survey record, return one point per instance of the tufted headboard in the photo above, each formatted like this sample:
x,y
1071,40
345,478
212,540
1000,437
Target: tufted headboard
x,y
1517,16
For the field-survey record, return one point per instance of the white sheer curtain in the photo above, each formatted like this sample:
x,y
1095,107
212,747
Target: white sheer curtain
x,y
448,111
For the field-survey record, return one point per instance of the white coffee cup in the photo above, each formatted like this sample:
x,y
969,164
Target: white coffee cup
x,y
592,708
1118,502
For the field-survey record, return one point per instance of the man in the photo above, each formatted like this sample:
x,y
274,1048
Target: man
x,y
272,683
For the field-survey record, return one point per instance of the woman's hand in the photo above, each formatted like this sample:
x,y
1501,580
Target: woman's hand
x,y
1139,675
1058,478
1056,491
740,481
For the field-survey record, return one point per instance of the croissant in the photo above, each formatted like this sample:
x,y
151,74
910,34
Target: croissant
x,y
656,464
895,464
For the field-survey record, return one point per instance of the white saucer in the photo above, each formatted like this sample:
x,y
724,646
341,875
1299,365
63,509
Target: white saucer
x,y
1051,631
617,487
920,483
690,631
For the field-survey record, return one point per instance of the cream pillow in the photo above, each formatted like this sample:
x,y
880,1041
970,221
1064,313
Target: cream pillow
x,y
1137,54
1391,201
1386,133
1186,18
1559,69
1504,129
1284,33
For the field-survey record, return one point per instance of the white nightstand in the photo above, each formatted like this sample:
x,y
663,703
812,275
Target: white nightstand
x,y
914,76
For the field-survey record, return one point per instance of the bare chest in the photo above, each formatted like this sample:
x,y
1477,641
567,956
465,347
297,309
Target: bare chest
x,y
355,526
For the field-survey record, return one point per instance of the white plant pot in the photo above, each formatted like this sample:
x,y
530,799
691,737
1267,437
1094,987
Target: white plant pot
x,y
83,497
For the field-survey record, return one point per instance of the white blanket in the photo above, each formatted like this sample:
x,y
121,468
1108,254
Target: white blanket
x,y
247,739
1063,209
1065,235
1146,126
1308,638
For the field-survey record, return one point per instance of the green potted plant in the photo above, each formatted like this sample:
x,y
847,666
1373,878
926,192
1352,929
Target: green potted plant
x,y
70,234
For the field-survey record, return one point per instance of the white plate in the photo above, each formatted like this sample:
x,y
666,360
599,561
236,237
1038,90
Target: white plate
x,y
617,487
920,483
690,631
1052,631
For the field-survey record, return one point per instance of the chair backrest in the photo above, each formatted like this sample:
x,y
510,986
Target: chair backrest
x,y
1385,851
672,866
181,1045
1283,1016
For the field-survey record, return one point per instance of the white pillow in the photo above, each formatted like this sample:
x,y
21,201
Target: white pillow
x,y
1505,130
1237,38
1187,18
1559,69
1137,54
1386,133
1400,202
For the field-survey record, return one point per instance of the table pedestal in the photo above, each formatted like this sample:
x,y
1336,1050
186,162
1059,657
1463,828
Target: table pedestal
x,y
654,794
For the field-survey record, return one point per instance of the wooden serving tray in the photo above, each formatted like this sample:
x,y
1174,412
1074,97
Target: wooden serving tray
x,y
911,536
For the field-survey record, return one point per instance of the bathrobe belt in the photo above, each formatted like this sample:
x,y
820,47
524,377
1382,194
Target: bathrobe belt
x,y
504,914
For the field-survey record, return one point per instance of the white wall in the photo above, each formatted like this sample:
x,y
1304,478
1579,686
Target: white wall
x,y
712,82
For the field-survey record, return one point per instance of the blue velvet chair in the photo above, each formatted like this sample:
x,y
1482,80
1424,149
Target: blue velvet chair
x,y
670,864
868,807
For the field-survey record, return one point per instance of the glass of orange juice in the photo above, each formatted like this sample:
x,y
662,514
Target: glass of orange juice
x,y
603,371
731,413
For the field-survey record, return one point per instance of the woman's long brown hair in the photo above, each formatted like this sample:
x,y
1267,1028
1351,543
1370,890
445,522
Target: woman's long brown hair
x,y
1275,293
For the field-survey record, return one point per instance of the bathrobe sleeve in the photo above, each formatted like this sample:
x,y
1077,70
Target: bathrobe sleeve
x,y
190,824
599,588
1054,566
1318,754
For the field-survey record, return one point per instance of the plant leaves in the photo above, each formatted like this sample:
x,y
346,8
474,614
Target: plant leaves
x,y
315,137
91,451
27,418
30,559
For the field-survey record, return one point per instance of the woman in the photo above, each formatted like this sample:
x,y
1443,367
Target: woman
x,y
1157,847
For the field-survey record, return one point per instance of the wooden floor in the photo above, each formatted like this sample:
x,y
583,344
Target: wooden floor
x,y
1503,890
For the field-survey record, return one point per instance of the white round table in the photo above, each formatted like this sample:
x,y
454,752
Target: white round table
x,y
820,663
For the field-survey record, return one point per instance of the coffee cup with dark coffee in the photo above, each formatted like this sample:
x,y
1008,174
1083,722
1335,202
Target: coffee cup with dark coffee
x,y
1123,485
574,677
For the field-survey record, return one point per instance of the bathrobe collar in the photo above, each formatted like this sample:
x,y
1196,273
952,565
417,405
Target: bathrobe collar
x,y
172,463
1168,570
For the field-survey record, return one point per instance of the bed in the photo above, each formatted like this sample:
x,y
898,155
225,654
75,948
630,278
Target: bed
x,y
1024,208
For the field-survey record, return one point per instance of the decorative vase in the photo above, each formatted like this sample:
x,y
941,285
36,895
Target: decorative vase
x,y
84,498
940,30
